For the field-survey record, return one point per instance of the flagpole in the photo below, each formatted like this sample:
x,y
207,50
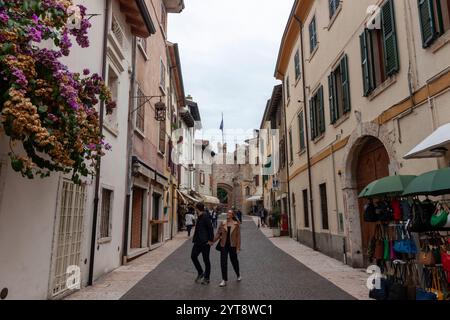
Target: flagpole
x,y
223,138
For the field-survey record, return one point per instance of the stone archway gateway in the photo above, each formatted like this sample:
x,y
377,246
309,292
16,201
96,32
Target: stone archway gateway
x,y
370,155
225,194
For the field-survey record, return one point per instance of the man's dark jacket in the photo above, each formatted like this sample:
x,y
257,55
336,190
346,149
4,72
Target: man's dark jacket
x,y
204,230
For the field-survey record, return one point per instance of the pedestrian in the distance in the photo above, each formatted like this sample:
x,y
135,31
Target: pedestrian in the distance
x,y
262,217
229,236
203,240
189,220
215,216
239,215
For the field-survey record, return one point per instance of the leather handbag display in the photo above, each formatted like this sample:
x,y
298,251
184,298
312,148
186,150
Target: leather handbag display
x,y
420,221
440,217
445,260
404,244
398,289
426,255
379,243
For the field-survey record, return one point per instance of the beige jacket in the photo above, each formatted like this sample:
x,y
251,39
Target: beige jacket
x,y
235,237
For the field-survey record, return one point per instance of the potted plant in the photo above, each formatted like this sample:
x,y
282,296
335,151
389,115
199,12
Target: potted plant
x,y
275,219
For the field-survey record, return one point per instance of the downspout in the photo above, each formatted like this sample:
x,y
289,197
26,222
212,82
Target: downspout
x,y
288,172
308,152
98,166
130,138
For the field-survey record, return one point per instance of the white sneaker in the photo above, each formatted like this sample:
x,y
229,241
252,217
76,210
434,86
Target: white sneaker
x,y
239,278
223,283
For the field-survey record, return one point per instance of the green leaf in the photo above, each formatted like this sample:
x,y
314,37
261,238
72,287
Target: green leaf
x,y
16,164
43,109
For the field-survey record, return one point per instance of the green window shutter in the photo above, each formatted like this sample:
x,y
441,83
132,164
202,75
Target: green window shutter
x,y
427,24
301,127
365,62
391,59
312,118
332,98
345,84
321,111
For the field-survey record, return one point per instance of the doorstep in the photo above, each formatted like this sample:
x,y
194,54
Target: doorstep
x,y
134,253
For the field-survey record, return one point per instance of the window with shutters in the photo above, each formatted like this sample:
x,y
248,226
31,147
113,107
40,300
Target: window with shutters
x,y
297,65
110,120
282,153
162,80
305,208
379,50
288,89
324,206
339,91
317,114
140,112
333,6
162,137
434,19
291,151
105,217
301,130
312,35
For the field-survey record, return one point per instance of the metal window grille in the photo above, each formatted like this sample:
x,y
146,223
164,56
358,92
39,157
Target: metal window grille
x,y
70,232
105,219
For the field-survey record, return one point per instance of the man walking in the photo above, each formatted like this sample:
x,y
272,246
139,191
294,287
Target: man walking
x,y
203,239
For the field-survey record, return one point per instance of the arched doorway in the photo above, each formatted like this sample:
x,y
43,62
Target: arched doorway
x,y
225,195
372,163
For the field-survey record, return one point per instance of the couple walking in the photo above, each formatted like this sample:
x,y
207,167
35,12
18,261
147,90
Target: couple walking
x,y
229,237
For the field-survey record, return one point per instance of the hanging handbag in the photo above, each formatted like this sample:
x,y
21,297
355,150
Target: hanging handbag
x,y
436,288
426,255
405,244
422,294
440,217
396,210
391,248
387,252
384,211
379,244
370,212
406,210
421,217
445,260
398,289
411,281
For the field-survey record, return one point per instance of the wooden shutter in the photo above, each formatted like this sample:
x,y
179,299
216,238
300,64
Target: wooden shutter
x,y
427,22
321,110
345,84
332,98
301,129
366,62
312,117
390,38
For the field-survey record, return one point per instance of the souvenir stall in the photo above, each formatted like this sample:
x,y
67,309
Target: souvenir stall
x,y
411,243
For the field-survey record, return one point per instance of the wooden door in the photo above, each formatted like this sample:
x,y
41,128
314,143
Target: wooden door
x,y
373,164
136,217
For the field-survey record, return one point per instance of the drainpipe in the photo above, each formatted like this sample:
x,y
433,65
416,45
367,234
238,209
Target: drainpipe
x,y
130,138
308,152
97,169
288,172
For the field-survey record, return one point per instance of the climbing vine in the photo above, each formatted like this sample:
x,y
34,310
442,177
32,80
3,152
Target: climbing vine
x,y
47,109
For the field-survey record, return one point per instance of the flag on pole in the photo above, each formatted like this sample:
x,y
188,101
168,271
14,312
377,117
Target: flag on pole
x,y
221,124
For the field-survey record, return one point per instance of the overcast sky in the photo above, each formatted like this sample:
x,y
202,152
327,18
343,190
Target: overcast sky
x,y
228,53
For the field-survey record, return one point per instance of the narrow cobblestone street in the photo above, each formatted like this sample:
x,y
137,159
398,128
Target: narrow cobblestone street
x,y
268,273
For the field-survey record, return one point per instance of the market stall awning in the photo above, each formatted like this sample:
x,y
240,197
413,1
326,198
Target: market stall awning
x,y
188,198
255,198
434,146
392,185
433,183
210,199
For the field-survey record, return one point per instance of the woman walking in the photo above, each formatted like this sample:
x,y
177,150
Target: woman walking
x,y
229,236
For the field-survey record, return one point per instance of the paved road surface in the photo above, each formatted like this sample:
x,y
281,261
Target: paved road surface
x,y
268,274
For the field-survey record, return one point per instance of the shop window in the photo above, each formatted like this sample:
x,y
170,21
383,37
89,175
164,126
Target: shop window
x,y
379,50
434,19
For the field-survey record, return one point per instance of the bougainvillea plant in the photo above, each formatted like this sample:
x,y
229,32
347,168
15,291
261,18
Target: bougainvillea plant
x,y
48,109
